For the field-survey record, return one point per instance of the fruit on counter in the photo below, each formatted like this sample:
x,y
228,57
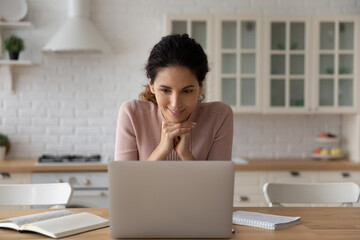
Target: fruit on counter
x,y
335,152
326,135
317,150
324,151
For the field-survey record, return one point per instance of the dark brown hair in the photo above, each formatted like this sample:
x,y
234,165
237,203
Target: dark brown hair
x,y
175,50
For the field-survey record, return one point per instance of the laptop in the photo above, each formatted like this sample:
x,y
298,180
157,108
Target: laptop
x,y
171,199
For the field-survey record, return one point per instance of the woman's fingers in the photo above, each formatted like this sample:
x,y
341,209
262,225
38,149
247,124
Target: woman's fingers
x,y
173,126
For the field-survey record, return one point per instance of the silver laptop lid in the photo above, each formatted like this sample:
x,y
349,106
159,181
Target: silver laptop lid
x,y
171,199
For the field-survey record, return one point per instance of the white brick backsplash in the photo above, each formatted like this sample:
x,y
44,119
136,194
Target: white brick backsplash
x,y
35,138
69,103
73,139
59,130
87,130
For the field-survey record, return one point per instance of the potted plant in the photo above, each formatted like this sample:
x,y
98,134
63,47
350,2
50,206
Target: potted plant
x,y
14,45
4,146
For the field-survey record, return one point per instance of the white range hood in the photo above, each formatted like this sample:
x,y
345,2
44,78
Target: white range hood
x,y
78,34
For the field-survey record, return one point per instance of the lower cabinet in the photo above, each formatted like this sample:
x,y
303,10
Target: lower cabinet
x,y
248,187
14,178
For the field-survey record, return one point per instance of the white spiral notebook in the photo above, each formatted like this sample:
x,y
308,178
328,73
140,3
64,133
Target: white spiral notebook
x,y
261,220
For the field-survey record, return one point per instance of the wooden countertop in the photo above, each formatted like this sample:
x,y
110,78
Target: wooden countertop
x,y
30,165
316,224
297,164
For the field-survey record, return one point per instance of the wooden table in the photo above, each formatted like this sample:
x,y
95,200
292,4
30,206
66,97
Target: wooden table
x,y
316,223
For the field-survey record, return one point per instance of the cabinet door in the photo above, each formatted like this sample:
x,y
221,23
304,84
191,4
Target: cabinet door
x,y
14,178
248,187
200,28
287,66
237,53
336,75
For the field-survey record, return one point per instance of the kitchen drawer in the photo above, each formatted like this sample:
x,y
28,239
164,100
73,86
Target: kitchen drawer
x,y
249,200
293,176
340,176
250,178
14,178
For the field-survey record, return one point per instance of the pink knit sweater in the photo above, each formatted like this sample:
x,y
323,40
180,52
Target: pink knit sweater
x,y
139,129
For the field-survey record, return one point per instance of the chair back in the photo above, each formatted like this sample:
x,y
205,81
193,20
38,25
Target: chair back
x,y
342,193
57,194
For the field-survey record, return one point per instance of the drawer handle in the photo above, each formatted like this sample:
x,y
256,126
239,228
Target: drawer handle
x,y
5,175
243,199
345,174
295,173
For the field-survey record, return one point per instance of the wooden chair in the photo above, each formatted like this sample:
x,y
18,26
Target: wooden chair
x,y
342,193
56,194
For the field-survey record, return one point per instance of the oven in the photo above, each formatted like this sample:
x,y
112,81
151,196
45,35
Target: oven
x,y
90,188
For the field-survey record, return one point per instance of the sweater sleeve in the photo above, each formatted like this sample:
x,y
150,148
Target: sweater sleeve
x,y
125,144
221,148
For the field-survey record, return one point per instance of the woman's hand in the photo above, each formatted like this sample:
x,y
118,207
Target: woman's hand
x,y
182,147
173,135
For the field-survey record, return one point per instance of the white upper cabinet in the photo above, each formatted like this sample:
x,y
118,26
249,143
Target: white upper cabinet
x,y
336,64
200,28
237,62
286,69
279,64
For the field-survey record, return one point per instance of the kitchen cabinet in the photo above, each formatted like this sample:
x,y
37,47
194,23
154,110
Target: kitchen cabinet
x,y
200,28
9,65
248,187
279,64
336,64
287,64
15,177
237,65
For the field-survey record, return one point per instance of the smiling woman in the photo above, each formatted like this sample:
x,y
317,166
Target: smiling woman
x,y
169,122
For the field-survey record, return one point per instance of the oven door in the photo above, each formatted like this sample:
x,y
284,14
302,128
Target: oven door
x,y
89,198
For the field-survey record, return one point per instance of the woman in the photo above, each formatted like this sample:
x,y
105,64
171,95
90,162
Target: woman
x,y
169,122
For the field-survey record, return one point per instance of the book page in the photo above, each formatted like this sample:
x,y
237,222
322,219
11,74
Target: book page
x,y
38,217
67,225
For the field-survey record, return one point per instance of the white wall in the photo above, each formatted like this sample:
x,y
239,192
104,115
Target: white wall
x,y
69,103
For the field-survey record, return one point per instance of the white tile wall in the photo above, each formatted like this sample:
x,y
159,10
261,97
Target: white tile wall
x,y
69,103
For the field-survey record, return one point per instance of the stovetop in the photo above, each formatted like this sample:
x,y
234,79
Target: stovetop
x,y
66,159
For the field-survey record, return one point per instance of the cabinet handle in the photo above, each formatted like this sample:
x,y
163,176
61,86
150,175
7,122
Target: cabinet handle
x,y
295,173
243,199
345,174
5,175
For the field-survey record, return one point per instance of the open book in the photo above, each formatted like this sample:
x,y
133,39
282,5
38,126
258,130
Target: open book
x,y
56,224
261,220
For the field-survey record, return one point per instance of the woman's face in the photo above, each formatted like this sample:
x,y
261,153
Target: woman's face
x,y
176,90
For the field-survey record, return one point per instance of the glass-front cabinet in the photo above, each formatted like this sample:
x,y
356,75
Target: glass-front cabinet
x,y
237,61
278,64
286,65
336,74
200,28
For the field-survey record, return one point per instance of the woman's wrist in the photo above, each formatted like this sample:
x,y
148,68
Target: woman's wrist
x,y
157,155
187,156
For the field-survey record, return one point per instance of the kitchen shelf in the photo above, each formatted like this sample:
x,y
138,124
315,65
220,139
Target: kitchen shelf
x,y
8,66
16,25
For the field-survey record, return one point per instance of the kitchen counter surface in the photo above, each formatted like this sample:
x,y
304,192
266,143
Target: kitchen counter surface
x,y
30,165
297,164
